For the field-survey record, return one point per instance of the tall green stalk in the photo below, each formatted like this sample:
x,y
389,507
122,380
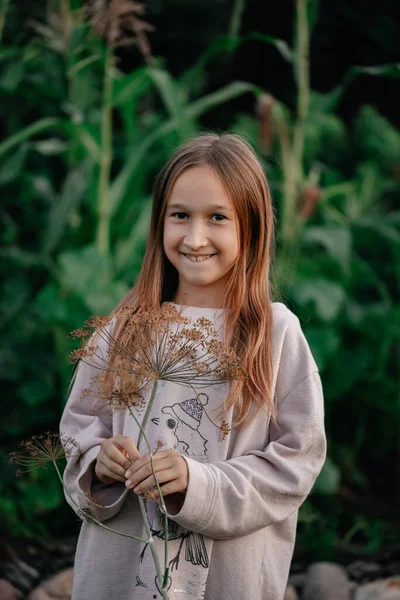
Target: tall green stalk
x,y
236,18
302,72
293,175
3,15
103,195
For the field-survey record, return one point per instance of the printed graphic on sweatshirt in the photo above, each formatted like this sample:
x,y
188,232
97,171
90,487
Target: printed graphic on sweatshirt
x,y
183,546
187,551
183,420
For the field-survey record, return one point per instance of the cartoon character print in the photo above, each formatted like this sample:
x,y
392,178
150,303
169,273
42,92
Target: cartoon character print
x,y
195,548
183,420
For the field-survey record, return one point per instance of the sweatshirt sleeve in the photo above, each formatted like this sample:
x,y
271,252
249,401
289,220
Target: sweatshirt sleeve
x,y
88,423
236,497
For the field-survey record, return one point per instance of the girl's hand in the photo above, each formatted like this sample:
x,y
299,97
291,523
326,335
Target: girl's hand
x,y
115,456
170,468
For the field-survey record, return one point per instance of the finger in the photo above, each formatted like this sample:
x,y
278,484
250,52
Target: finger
x,y
114,453
143,469
146,475
150,482
129,445
104,473
145,460
172,487
112,467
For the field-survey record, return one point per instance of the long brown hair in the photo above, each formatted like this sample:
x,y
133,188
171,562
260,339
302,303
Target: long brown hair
x,y
248,323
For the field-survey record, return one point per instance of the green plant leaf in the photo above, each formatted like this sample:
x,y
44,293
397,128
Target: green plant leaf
x,y
230,91
227,44
194,110
335,239
391,70
21,258
377,139
83,64
88,274
312,12
30,131
171,96
381,226
71,194
324,341
128,88
328,480
49,306
189,79
12,76
14,165
283,47
324,132
329,102
127,249
36,392
325,296
89,139
51,146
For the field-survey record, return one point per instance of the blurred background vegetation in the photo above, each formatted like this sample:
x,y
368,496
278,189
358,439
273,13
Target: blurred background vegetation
x,y
94,97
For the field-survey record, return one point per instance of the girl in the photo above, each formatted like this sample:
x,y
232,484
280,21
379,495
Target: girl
x,y
232,500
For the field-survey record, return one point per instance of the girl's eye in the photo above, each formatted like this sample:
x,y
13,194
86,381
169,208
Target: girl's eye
x,y
180,216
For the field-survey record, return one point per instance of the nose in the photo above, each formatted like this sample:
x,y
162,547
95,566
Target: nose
x,y
195,237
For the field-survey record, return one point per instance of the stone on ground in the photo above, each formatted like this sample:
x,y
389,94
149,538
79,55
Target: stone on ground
x,y
8,591
383,589
290,593
328,581
58,587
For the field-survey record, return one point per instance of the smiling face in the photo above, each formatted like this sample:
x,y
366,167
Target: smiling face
x,y
200,236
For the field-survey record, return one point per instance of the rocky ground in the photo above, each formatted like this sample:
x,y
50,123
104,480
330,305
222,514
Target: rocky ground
x,y
43,571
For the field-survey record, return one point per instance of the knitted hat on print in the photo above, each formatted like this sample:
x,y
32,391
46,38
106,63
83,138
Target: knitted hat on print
x,y
190,411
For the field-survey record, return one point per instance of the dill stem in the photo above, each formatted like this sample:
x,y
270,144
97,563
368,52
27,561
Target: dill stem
x,y
99,523
163,507
147,414
152,548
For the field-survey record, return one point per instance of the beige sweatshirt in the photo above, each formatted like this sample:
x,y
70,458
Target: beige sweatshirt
x,y
234,536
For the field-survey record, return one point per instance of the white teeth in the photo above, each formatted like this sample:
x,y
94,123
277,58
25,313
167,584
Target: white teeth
x,y
198,258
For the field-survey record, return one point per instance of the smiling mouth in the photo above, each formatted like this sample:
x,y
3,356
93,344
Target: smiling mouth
x,y
198,258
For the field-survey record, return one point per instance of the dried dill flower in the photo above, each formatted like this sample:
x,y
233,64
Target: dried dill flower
x,y
157,344
122,391
43,449
224,429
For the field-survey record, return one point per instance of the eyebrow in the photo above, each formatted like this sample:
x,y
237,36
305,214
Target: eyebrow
x,y
209,207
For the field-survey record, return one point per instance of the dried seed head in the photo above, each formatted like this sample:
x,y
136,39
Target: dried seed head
x,y
98,322
156,344
82,354
264,111
43,449
225,429
120,23
80,333
308,201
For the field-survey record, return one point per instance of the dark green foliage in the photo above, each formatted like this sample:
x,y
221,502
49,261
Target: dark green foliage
x,y
338,258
